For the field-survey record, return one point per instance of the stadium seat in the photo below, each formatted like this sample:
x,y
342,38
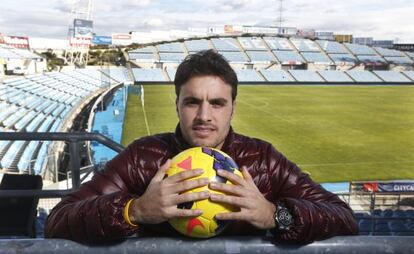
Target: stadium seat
x,y
277,75
197,45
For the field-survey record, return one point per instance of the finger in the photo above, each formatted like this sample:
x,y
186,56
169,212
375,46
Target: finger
x,y
192,196
190,184
228,199
232,216
227,188
187,213
233,178
246,174
162,171
179,177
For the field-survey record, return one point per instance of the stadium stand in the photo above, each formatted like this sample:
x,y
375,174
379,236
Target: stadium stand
x,y
260,56
249,75
264,52
399,60
305,45
143,57
171,47
109,122
392,76
277,75
335,76
364,76
316,57
288,57
40,103
15,53
25,161
148,74
388,52
409,74
145,54
358,49
197,45
306,76
386,222
225,44
236,57
147,49
332,47
373,59
252,43
278,43
171,73
171,57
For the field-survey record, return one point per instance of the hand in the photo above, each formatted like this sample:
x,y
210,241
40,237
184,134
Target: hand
x,y
160,200
254,208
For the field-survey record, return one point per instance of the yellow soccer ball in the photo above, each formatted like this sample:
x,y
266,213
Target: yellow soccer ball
x,y
210,160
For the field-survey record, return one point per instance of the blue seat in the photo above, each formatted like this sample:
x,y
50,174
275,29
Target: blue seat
x,y
365,225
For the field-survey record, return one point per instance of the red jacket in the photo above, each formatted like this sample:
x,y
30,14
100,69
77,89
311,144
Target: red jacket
x,y
93,213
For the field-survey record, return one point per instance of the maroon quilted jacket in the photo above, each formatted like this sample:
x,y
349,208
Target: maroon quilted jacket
x,y
93,213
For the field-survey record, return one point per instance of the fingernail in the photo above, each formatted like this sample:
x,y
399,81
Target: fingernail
x,y
213,184
220,171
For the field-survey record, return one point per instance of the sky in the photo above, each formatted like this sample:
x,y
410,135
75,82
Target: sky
x,y
381,19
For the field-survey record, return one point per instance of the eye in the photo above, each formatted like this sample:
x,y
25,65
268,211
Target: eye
x,y
191,103
218,103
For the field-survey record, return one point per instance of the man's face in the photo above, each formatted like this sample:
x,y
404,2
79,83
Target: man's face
x,y
205,109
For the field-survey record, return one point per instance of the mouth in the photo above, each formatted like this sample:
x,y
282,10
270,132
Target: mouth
x,y
203,131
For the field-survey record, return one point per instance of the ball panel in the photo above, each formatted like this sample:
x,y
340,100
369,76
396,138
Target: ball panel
x,y
210,160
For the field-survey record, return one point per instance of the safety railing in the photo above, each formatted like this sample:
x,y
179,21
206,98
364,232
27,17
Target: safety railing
x,y
73,140
239,245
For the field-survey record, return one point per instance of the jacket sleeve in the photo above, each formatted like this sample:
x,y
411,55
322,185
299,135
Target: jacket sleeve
x,y
317,213
94,212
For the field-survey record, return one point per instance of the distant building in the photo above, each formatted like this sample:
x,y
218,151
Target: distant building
x,y
383,43
404,47
343,38
325,35
369,41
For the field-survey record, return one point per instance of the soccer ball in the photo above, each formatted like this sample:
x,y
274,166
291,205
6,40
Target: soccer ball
x,y
210,160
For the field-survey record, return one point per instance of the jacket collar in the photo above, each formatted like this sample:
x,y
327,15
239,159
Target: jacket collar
x,y
181,143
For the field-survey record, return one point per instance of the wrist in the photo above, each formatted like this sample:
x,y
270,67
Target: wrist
x,y
129,213
271,219
282,217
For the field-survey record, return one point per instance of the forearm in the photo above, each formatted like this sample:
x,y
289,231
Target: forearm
x,y
317,220
90,220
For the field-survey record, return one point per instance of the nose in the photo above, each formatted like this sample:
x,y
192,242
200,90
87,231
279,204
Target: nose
x,y
204,113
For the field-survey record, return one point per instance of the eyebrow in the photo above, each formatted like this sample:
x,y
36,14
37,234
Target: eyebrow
x,y
221,101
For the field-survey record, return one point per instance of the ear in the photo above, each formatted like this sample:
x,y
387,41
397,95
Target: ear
x,y
176,106
233,110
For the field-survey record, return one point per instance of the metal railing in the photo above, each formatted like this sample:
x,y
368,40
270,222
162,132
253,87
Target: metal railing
x,y
74,140
239,245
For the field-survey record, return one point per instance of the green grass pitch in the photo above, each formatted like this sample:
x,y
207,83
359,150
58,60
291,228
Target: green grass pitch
x,y
336,133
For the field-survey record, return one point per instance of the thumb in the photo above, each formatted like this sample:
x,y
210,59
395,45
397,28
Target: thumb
x,y
161,172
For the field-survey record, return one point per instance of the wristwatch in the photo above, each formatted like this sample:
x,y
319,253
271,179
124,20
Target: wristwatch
x,y
283,218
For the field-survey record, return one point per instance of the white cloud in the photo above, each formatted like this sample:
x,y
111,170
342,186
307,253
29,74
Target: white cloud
x,y
153,22
382,19
139,3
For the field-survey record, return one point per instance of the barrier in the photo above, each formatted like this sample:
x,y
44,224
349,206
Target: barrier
x,y
231,245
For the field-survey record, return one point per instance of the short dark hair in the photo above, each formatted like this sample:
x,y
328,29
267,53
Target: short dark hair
x,y
205,63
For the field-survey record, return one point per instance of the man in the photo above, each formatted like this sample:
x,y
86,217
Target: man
x,y
132,194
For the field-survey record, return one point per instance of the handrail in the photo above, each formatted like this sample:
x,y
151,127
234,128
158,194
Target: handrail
x,y
73,139
239,244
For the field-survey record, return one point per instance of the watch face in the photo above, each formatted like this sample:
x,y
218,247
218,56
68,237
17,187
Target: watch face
x,y
284,218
